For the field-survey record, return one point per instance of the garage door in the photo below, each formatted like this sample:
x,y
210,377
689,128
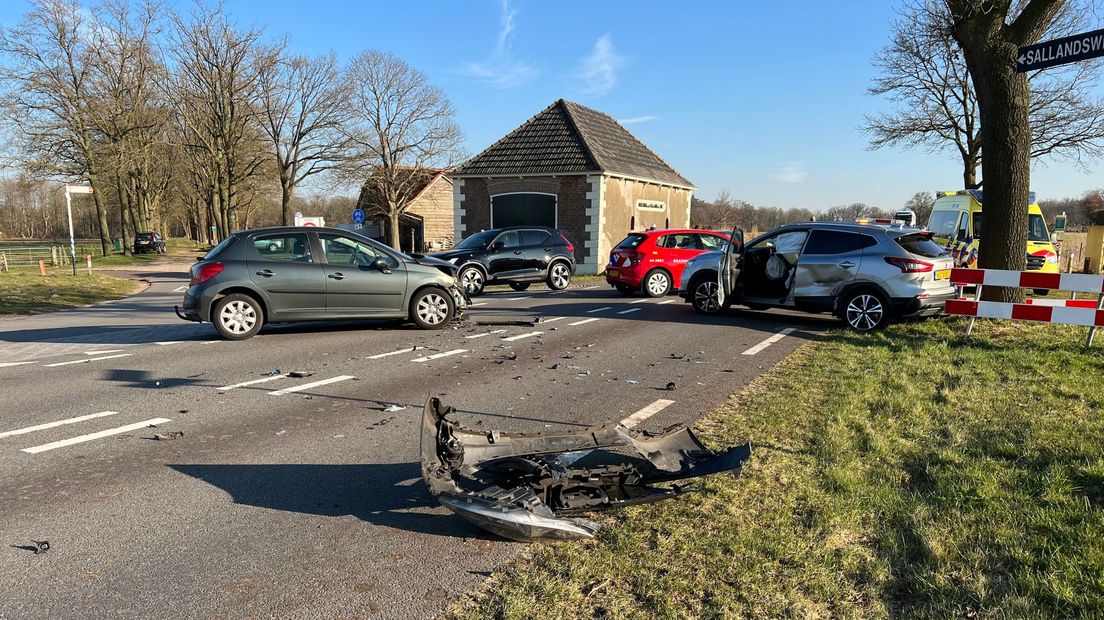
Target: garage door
x,y
523,210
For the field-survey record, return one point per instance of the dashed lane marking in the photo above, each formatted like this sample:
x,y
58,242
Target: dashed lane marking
x,y
667,301
227,388
497,331
647,412
312,384
168,342
104,352
42,427
629,311
6,364
769,341
521,336
583,322
93,436
543,320
85,361
390,353
640,301
516,298
437,356
180,289
603,308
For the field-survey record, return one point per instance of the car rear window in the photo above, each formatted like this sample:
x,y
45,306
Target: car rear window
x,y
533,237
921,244
631,242
215,251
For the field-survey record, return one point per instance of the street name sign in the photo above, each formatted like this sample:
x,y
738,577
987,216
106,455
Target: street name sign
x,y
1060,51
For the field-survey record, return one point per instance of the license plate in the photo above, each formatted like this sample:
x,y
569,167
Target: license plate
x,y
943,274
613,273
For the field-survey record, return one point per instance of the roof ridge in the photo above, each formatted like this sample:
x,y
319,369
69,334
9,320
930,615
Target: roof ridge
x,y
638,140
523,126
578,130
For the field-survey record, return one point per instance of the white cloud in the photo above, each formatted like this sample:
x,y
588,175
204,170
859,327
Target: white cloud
x,y
598,71
502,70
637,119
792,173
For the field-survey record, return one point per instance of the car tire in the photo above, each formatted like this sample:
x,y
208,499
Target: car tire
x,y
237,316
559,275
656,283
703,296
519,286
432,308
626,290
864,310
472,280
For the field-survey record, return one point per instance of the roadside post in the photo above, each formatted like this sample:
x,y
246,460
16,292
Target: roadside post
x,y
88,259
69,191
41,267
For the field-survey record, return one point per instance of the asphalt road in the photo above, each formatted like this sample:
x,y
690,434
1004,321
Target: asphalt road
x,y
301,496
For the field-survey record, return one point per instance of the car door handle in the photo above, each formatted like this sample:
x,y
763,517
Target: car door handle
x,y
518,252
268,273
336,276
847,264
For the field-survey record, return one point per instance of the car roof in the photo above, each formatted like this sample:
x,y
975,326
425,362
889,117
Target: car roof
x,y
668,231
848,227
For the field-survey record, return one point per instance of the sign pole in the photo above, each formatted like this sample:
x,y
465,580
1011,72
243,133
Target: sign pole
x,y
69,212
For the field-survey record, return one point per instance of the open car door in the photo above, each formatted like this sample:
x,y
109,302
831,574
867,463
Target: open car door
x,y
729,270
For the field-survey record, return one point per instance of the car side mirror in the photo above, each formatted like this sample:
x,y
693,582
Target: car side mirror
x,y
381,264
498,245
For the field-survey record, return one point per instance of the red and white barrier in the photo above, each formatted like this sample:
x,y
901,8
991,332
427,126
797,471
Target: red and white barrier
x,y
1084,312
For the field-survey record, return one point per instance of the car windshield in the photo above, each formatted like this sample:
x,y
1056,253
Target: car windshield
x,y
477,241
145,236
1036,228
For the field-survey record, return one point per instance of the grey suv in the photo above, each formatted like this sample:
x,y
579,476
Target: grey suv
x,y
272,275
866,274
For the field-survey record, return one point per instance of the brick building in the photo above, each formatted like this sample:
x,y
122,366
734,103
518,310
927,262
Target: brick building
x,y
426,225
576,169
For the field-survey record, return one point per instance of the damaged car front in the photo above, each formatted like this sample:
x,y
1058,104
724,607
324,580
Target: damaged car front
x,y
532,486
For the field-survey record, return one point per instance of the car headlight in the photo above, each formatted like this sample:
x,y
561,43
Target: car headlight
x,y
1052,259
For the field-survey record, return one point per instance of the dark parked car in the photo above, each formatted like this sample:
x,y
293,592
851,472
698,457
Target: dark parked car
x,y
148,242
273,275
517,255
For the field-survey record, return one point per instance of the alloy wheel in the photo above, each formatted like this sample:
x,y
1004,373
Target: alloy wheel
x,y
705,297
658,284
472,280
864,312
561,276
238,317
432,309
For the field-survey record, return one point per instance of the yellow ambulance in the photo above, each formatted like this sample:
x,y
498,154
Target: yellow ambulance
x,y
956,223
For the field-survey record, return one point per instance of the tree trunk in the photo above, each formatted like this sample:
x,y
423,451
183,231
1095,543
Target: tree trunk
x,y
101,217
395,236
1003,107
969,170
286,216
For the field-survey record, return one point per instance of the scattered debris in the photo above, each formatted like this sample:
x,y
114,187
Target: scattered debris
x,y
554,367
489,320
182,411
339,436
394,408
40,546
527,486
299,374
168,436
677,356
281,433
631,381
273,372
670,386
517,377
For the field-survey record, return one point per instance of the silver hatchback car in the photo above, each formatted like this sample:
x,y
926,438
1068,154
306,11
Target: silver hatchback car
x,y
865,274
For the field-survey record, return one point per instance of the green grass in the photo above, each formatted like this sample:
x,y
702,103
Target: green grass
x,y
27,292
909,473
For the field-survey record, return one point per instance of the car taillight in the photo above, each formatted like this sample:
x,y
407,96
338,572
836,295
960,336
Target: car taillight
x,y
570,246
910,265
205,272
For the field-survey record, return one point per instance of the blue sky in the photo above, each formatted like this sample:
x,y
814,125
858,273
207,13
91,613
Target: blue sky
x,y
761,98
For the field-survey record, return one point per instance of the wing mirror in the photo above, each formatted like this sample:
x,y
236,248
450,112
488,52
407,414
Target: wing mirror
x,y
381,264
498,245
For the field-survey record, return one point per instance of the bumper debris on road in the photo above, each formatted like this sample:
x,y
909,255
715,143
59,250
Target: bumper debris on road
x,y
532,486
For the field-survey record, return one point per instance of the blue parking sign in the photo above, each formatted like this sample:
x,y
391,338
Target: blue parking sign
x,y
358,216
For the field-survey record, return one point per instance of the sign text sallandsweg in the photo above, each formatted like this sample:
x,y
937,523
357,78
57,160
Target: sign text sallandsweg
x,y
1060,51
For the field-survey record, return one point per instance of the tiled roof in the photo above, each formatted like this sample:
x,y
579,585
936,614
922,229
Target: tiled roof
x,y
567,137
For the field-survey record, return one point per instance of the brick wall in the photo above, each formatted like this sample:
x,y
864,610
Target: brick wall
x,y
434,206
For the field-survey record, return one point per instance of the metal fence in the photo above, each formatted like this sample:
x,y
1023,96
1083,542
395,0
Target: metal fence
x,y
19,255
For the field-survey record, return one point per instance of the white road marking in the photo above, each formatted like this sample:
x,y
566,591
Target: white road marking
x,y
667,301
640,301
93,436
599,309
211,341
497,331
85,361
520,336
436,356
583,322
168,342
769,341
629,311
180,289
40,427
389,354
6,364
312,384
516,298
481,303
543,320
587,288
646,413
227,388
104,352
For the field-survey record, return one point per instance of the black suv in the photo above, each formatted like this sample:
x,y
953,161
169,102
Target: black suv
x,y
148,242
517,255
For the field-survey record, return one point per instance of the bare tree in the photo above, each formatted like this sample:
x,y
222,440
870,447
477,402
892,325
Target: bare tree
x,y
47,100
921,204
923,71
303,106
399,126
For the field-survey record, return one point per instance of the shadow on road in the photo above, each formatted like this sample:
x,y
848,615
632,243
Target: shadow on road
x,y
390,494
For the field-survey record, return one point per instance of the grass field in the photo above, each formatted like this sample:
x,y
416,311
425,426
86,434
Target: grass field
x,y
25,291
909,473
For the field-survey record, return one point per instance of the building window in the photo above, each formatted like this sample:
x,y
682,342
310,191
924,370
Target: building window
x,y
523,209
651,205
